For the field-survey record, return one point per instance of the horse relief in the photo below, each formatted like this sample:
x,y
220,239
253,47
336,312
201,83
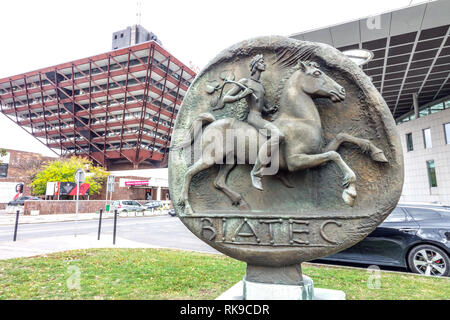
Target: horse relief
x,y
295,138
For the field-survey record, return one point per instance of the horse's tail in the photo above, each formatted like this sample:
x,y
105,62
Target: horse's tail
x,y
195,128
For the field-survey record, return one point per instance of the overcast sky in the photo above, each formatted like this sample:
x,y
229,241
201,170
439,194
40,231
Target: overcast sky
x,y
37,34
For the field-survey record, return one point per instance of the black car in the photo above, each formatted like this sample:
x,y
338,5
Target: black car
x,y
172,212
416,237
21,200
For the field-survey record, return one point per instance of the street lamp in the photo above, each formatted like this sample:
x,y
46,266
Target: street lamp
x,y
359,56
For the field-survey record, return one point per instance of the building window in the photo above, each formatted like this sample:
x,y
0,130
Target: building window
x,y
424,112
115,36
447,133
427,138
431,173
409,142
437,107
447,104
121,35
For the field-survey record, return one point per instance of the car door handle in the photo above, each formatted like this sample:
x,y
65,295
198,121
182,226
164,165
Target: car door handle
x,y
408,230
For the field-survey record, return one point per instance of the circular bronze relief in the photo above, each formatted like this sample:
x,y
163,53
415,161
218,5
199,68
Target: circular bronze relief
x,y
335,166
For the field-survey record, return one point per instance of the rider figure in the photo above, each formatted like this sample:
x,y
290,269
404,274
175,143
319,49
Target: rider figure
x,y
253,91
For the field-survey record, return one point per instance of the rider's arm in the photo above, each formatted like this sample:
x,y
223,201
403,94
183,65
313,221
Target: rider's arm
x,y
233,95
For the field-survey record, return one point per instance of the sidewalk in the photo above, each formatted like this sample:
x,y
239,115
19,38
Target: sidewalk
x,y
10,219
42,246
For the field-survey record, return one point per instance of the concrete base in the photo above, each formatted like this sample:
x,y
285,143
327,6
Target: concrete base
x,y
277,292
268,291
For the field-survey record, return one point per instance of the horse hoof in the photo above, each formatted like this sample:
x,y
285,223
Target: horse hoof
x,y
348,199
378,155
256,182
244,206
349,196
285,180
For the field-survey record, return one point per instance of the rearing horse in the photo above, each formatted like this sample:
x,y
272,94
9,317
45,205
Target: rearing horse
x,y
300,122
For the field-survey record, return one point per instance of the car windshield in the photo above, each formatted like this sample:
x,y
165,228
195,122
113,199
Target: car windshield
x,y
398,215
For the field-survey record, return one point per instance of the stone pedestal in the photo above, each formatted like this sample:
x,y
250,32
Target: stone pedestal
x,y
275,292
278,283
269,291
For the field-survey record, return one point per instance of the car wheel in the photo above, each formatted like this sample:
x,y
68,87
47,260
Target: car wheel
x,y
429,260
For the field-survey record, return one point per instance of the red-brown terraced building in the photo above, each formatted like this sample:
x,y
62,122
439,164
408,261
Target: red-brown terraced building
x,y
116,108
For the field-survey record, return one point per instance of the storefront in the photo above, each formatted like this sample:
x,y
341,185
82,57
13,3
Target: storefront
x,y
151,188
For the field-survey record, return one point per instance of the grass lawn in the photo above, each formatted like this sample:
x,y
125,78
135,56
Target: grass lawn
x,y
170,274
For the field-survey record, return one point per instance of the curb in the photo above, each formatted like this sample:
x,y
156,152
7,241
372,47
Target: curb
x,y
80,219
334,266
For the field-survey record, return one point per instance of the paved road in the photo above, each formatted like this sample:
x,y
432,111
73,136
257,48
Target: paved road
x,y
160,231
163,231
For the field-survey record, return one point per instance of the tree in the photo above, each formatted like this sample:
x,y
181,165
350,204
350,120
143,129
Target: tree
x,y
3,153
63,170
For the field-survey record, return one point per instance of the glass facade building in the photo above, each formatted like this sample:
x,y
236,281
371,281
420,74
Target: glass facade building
x,y
411,70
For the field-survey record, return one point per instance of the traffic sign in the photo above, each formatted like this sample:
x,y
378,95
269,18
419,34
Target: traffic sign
x,y
80,176
110,183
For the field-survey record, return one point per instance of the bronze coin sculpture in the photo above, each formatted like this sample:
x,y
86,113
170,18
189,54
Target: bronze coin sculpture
x,y
283,152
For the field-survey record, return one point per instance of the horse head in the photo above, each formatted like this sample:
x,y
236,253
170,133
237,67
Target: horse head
x,y
317,84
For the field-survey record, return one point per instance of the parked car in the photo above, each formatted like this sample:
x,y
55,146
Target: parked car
x,y
413,236
155,205
127,206
21,200
172,212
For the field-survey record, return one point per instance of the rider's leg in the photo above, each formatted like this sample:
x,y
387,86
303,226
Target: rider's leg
x,y
276,137
265,152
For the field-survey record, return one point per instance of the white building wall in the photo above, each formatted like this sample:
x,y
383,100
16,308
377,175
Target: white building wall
x,y
416,186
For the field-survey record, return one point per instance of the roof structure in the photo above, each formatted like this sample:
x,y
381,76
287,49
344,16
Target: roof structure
x,y
411,48
116,108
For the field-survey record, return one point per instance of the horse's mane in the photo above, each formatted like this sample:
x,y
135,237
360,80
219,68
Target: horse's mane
x,y
288,58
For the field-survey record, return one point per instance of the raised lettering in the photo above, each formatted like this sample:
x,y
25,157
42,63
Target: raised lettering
x,y
209,227
270,223
293,231
252,232
322,230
